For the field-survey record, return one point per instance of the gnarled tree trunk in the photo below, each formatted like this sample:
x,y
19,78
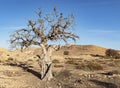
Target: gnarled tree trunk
x,y
45,63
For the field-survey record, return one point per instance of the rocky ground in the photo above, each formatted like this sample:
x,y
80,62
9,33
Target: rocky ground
x,y
80,70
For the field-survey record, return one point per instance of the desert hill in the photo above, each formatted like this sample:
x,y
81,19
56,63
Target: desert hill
x,y
82,49
72,49
83,66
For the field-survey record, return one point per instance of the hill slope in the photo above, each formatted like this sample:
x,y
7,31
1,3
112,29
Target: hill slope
x,y
82,49
78,69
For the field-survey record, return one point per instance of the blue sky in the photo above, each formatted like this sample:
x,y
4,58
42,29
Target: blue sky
x,y
97,22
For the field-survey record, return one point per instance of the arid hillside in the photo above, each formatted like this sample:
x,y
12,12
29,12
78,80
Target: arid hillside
x,y
82,49
74,50
74,66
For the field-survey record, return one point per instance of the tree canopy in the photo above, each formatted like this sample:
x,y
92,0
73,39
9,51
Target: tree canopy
x,y
51,26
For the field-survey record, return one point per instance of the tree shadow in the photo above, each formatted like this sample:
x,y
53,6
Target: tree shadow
x,y
105,84
27,68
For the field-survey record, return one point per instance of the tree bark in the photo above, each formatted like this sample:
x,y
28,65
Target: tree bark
x,y
46,63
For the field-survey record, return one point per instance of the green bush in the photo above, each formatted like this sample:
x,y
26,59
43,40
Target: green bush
x,y
112,53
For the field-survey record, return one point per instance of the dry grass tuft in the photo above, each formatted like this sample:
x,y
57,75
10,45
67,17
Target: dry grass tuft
x,y
89,66
10,59
73,61
29,60
64,74
58,66
111,53
66,53
55,61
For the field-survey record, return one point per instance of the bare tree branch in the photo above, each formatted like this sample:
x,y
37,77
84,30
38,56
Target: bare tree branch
x,y
36,33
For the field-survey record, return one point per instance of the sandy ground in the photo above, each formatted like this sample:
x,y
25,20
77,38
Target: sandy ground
x,y
21,70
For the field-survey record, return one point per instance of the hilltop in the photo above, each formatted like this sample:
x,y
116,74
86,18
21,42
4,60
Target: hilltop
x,y
83,49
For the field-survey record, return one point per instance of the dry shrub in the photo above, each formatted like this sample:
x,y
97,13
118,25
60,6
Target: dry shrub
x,y
67,86
30,60
73,61
112,53
113,62
0,61
89,66
64,74
94,66
17,55
117,56
72,58
97,55
12,74
34,57
66,53
8,55
58,66
55,61
65,79
10,59
117,62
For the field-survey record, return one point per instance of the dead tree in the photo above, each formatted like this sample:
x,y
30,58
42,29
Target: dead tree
x,y
50,27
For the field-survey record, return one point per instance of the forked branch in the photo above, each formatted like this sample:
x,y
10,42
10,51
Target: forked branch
x,y
53,26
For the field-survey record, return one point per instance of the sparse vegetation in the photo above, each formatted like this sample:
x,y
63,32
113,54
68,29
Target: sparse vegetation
x,y
10,59
86,65
75,72
12,74
72,61
97,55
117,62
51,65
111,53
55,61
64,74
89,66
66,52
8,55
30,60
58,65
